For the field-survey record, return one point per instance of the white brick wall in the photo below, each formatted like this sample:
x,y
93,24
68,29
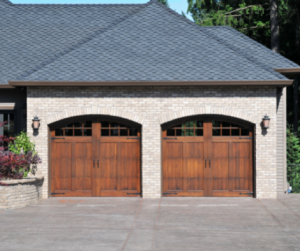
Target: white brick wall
x,y
151,106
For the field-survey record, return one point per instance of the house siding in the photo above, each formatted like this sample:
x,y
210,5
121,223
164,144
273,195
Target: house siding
x,y
148,105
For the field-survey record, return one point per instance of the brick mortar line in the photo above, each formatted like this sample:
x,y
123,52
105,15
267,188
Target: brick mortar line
x,y
156,224
136,215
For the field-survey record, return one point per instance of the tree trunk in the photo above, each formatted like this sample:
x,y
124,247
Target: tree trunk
x,y
274,26
295,124
297,29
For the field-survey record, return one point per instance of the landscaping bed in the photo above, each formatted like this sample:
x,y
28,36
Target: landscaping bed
x,y
20,193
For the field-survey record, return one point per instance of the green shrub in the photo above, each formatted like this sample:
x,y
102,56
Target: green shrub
x,y
293,159
22,141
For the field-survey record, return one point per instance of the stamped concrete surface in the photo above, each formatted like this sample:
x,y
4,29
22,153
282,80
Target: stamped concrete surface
x,y
153,224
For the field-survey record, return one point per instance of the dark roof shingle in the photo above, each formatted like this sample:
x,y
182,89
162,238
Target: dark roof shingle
x,y
125,42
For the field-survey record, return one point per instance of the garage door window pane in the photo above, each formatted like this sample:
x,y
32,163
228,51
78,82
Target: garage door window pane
x,y
199,132
87,132
216,132
245,132
59,132
104,132
226,132
78,132
133,132
235,132
68,132
170,132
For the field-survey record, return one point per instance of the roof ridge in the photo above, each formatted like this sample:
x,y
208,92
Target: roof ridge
x,y
79,43
257,43
238,51
7,2
74,4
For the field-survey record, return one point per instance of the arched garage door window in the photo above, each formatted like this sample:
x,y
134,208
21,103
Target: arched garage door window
x,y
207,157
95,157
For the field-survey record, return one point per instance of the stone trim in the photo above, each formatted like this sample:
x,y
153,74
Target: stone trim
x,y
22,181
94,110
21,193
209,110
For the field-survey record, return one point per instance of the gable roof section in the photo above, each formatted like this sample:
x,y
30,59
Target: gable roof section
x,y
148,42
31,35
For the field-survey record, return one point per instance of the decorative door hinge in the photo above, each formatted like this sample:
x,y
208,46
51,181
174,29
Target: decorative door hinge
x,y
134,138
246,193
57,193
57,138
134,193
245,137
169,193
170,138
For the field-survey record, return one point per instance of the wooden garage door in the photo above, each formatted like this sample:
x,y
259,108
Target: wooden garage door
x,y
95,158
207,158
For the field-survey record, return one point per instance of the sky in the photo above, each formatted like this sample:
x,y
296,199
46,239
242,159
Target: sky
x,y
177,5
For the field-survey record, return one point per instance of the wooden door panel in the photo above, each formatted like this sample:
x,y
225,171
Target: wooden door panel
x,y
129,166
107,166
228,158
173,166
71,168
194,166
220,165
241,165
119,167
61,166
82,167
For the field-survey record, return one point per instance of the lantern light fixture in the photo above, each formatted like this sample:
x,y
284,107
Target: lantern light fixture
x,y
36,123
266,122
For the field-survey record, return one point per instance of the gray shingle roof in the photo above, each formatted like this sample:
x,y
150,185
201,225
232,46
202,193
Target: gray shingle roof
x,y
125,42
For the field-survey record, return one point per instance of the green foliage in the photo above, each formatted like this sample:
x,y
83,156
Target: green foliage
x,y
22,141
293,147
248,16
293,159
165,2
252,17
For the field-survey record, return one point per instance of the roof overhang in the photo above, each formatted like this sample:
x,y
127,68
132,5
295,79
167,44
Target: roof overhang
x,y
288,72
6,86
284,82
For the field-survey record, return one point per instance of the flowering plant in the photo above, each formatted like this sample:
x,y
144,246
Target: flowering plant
x,y
16,164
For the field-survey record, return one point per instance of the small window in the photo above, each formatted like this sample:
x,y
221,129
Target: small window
x,y
188,129
8,128
78,129
114,129
222,128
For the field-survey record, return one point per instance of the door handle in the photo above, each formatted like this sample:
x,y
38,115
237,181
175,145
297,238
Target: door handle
x,y
209,164
93,163
205,163
98,163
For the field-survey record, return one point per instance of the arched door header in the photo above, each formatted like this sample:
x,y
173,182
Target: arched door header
x,y
93,110
208,110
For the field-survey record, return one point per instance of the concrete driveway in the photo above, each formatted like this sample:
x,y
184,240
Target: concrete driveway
x,y
153,224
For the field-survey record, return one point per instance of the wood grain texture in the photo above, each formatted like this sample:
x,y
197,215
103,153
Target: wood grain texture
x,y
95,166
207,166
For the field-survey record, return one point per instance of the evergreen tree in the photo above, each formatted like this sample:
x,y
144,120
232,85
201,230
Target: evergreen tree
x,y
165,2
293,159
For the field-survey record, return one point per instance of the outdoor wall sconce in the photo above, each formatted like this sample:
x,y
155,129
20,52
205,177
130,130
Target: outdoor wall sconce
x,y
36,123
266,122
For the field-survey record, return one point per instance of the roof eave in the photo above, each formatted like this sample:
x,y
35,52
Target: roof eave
x,y
288,72
6,86
283,82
